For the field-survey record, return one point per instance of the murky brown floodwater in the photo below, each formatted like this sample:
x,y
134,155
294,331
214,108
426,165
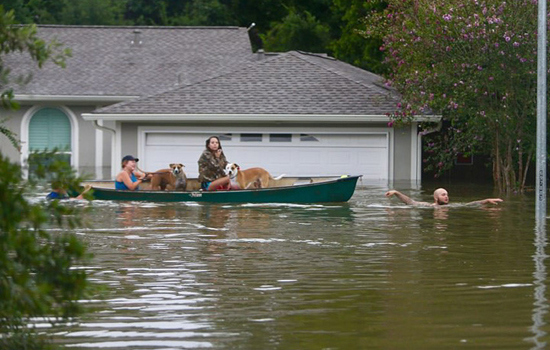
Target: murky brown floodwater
x,y
368,274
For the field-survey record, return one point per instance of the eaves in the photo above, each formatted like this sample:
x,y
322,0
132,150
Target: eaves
x,y
243,118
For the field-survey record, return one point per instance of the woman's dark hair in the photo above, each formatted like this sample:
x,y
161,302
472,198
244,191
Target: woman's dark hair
x,y
213,137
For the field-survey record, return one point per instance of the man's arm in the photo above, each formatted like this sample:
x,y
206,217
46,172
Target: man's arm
x,y
487,201
401,196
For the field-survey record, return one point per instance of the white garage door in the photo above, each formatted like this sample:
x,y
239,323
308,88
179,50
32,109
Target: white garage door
x,y
290,154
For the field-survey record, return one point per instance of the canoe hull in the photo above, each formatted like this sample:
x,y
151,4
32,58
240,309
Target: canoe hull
x,y
338,190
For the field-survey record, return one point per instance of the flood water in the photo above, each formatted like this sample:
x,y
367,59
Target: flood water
x,y
368,274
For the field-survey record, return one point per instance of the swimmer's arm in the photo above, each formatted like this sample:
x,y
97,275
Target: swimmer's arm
x,y
487,201
405,199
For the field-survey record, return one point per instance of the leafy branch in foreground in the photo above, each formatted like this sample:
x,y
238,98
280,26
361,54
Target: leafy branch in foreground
x,y
37,275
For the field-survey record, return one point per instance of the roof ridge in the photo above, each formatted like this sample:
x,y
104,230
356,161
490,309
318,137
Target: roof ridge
x,y
135,27
182,87
299,54
244,66
254,64
204,81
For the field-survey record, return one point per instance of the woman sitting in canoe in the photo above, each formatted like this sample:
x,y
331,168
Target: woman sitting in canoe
x,y
129,178
212,165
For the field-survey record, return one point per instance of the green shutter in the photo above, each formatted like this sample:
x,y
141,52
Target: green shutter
x,y
50,128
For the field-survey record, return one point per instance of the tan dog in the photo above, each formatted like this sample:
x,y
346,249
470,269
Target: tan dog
x,y
249,178
169,179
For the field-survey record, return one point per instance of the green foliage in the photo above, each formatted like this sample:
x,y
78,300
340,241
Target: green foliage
x,y
37,278
203,13
473,62
93,12
25,340
297,31
349,43
36,275
81,12
153,12
10,135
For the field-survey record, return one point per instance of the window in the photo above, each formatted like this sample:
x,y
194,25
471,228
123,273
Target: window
x,y
308,138
49,129
462,159
225,137
280,137
251,137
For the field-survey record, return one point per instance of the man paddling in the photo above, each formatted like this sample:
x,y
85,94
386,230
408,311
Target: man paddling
x,y
441,197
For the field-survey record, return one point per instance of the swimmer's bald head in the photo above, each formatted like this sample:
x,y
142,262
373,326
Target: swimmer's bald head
x,y
441,197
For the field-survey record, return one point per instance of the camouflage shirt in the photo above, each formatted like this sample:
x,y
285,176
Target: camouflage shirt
x,y
210,167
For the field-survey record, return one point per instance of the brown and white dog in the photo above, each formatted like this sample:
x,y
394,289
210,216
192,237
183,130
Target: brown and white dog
x,y
249,178
169,179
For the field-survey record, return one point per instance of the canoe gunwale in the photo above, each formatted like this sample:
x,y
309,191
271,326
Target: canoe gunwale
x,y
333,190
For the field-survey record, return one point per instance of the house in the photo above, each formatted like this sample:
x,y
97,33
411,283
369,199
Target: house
x,y
159,92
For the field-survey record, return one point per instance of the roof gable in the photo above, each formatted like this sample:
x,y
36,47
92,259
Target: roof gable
x,y
133,61
289,83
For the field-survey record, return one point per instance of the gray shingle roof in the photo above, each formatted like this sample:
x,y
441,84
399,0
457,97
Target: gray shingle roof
x,y
288,83
105,62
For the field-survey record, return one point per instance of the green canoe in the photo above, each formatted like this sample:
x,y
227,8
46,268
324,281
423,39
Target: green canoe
x,y
336,190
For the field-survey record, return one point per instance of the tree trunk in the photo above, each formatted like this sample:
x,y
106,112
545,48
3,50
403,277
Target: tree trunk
x,y
496,164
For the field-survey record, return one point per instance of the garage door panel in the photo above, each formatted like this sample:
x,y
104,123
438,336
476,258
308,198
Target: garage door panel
x,y
372,140
341,157
308,156
331,155
174,139
159,157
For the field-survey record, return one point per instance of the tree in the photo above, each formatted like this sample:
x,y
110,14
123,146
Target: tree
x,y
348,43
204,13
36,275
475,63
297,31
81,12
93,12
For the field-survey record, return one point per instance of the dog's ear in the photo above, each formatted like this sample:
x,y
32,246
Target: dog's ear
x,y
172,165
181,165
237,166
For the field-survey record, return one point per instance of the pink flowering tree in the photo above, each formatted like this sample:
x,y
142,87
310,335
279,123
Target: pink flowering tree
x,y
473,62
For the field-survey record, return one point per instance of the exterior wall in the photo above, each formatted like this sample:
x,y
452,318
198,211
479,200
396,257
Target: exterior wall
x,y
129,145
403,150
106,147
13,123
86,139
402,161
86,145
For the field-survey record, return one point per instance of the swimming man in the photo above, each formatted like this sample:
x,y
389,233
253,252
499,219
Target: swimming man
x,y
441,197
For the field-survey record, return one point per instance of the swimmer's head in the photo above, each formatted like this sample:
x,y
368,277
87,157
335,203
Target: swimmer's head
x,y
441,197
